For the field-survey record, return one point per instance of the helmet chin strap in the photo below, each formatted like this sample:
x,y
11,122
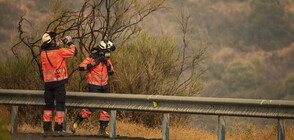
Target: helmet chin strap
x,y
55,43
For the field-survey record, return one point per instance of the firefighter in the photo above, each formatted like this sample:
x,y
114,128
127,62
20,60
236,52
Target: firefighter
x,y
55,76
99,67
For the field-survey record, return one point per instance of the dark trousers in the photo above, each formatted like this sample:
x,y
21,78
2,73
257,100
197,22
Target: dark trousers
x,y
57,94
104,115
50,95
98,89
85,113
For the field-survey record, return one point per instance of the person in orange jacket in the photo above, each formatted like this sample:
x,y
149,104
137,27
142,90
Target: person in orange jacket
x,y
98,66
55,76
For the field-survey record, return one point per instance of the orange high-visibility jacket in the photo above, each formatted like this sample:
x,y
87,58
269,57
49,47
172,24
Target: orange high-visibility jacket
x,y
53,63
97,75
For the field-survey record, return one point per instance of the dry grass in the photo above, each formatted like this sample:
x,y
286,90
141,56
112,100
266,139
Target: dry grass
x,y
181,133
125,128
236,129
4,113
268,133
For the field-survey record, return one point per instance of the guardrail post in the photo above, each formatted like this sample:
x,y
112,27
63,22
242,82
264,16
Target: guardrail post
x,y
112,124
64,120
14,111
221,128
165,126
281,129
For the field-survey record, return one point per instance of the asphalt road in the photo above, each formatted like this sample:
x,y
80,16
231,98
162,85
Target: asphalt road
x,y
39,136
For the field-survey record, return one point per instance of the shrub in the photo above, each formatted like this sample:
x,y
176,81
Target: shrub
x,y
146,65
288,87
4,135
19,73
269,25
240,75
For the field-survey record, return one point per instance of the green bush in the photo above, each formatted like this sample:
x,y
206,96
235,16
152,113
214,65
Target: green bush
x,y
270,90
288,87
240,75
20,73
145,65
215,88
4,135
269,25
148,64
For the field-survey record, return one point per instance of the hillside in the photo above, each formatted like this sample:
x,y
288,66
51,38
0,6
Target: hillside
x,y
272,69
34,11
225,27
249,54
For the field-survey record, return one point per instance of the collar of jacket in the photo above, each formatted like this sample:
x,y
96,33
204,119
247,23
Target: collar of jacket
x,y
95,55
48,46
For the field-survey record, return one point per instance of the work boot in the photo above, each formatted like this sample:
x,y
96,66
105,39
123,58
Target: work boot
x,y
60,134
74,124
47,129
102,130
58,130
47,133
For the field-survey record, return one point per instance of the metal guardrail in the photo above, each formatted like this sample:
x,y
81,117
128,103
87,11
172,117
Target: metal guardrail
x,y
279,109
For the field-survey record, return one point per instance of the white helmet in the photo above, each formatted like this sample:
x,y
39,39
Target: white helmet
x,y
48,36
105,45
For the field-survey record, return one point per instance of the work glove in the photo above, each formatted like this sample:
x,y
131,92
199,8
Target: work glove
x,y
67,40
107,54
96,61
104,60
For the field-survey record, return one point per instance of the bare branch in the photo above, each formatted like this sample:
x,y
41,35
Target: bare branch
x,y
96,20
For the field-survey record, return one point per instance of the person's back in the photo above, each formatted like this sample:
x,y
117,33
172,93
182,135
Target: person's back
x,y
55,76
54,66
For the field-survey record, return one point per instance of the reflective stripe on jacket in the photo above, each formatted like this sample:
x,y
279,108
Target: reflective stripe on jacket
x,y
53,63
97,75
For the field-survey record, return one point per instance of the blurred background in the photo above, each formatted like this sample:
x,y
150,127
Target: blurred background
x,y
249,42
209,48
